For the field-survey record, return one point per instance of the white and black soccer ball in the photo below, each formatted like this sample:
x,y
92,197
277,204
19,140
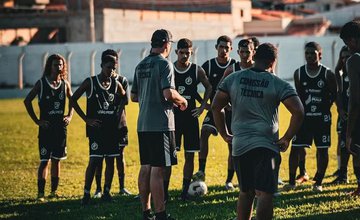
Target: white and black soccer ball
x,y
197,188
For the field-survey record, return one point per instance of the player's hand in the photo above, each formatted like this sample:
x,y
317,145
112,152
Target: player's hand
x,y
348,145
197,112
184,105
283,144
43,124
227,138
67,120
93,122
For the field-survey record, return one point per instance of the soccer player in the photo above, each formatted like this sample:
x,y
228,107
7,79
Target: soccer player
x,y
342,101
316,86
215,69
255,95
52,90
187,77
122,136
104,95
350,34
154,89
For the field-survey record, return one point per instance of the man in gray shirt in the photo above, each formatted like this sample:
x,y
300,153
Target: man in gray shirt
x,y
154,89
255,95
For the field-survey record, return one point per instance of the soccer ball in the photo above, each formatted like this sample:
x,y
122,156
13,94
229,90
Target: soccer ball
x,y
197,188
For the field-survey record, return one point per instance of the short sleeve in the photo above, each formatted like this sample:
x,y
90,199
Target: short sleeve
x,y
134,88
167,79
224,86
284,90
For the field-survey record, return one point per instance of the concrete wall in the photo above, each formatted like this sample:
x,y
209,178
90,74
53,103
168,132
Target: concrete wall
x,y
135,25
84,58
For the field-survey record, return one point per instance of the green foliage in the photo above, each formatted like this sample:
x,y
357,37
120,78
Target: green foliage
x,y
19,159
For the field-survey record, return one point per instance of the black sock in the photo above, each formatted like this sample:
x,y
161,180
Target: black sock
x,y
319,178
161,215
107,188
302,167
292,178
166,189
122,180
98,182
54,183
230,175
185,186
41,185
147,214
202,165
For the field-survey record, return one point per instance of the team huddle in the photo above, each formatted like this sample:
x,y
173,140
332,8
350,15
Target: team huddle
x,y
244,97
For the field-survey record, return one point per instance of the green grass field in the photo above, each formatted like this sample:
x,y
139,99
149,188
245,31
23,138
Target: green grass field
x,y
19,161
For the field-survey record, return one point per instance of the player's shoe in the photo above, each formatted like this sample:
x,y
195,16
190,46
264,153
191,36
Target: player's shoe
x,y
280,182
317,188
340,180
289,187
229,186
356,192
86,199
302,178
125,192
199,176
106,197
54,195
40,197
97,194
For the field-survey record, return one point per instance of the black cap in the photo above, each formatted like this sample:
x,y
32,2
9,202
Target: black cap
x,y
161,36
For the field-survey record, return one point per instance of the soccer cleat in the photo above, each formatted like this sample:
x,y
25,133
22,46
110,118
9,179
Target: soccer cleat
x,y
125,192
106,197
97,194
302,178
54,195
229,186
339,180
86,199
280,182
289,187
199,175
317,188
40,197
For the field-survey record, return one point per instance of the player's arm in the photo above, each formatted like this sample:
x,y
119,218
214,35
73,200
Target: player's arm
x,y
296,109
339,98
120,89
332,85
68,117
227,72
208,89
134,97
219,102
354,99
127,92
173,96
29,107
83,88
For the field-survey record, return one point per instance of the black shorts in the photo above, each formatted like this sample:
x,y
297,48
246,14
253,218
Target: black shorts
x,y
123,137
209,122
52,143
187,126
257,169
103,147
314,128
157,149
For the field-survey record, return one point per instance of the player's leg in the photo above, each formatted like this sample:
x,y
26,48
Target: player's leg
x,y
144,173
265,181
187,174
120,165
342,176
166,178
303,176
230,171
293,164
322,160
109,174
55,175
41,181
356,166
94,162
245,174
98,175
